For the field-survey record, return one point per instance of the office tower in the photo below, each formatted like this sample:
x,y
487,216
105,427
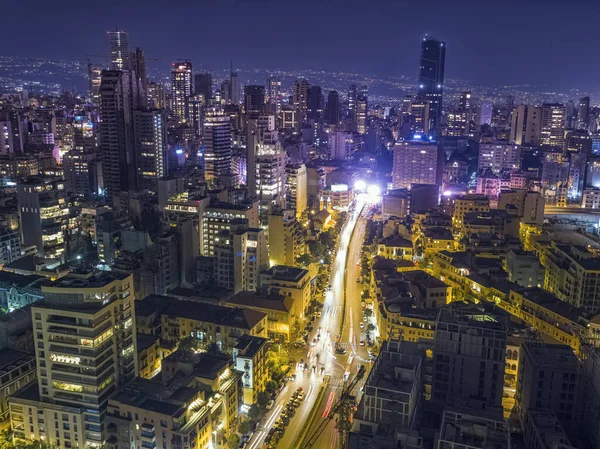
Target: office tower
x,y
420,118
526,125
583,113
270,177
203,84
361,110
431,79
118,47
138,65
547,378
578,141
157,96
116,129
225,93
469,356
352,92
332,114
570,115
300,96
85,351
83,134
340,145
235,88
286,237
240,255
181,89
217,144
485,111
261,130
150,140
416,162
196,107
296,188
81,172
254,100
94,79
553,125
315,103
499,156
43,214
274,93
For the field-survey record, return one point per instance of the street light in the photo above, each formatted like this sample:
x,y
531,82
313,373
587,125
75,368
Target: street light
x,y
360,185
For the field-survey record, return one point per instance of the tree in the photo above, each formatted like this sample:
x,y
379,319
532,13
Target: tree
x,y
261,399
213,348
270,386
254,412
189,344
368,313
244,426
233,441
304,260
370,327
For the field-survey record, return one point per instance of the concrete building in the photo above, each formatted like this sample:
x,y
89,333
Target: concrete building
x,y
547,380
18,370
468,203
469,356
296,188
150,140
240,255
395,247
250,357
18,291
526,125
553,125
573,275
542,430
10,246
286,238
289,281
417,162
85,351
336,197
81,172
524,268
217,144
499,156
396,203
270,178
526,205
340,145
471,428
181,89
44,215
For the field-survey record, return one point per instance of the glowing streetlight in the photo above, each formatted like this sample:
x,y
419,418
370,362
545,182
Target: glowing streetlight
x,y
360,185
374,190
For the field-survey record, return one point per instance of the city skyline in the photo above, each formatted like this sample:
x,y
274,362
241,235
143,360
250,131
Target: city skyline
x,y
475,53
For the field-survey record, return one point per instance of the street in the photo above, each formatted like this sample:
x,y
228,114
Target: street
x,y
323,362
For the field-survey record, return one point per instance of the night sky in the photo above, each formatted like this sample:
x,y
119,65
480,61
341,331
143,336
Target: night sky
x,y
551,42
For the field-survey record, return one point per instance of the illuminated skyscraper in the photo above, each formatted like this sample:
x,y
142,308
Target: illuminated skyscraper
x,y
526,125
235,88
352,102
300,96
118,46
217,144
431,79
138,65
361,110
150,130
94,78
316,103
181,89
553,124
274,92
417,162
254,100
583,113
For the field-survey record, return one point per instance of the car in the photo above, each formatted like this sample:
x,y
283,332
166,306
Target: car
x,y
340,350
270,404
362,325
362,342
329,287
293,376
363,304
365,318
299,390
319,337
314,342
319,314
301,396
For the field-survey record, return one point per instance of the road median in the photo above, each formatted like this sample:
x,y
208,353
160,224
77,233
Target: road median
x,y
311,417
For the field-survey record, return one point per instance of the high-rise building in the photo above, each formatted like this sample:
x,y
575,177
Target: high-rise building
x,y
417,162
235,88
352,92
469,356
118,46
499,156
420,117
553,125
138,65
296,188
270,177
315,103
332,111
583,113
181,89
116,129
217,144
157,96
81,172
526,125
362,106
85,351
274,93
203,85
94,78
340,145
254,100
43,215
300,96
431,79
286,237
261,130
150,131
240,255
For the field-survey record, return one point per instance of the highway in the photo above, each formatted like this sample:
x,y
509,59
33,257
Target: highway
x,y
321,354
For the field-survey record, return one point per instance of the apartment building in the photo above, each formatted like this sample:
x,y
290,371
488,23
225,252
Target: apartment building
x,y
250,358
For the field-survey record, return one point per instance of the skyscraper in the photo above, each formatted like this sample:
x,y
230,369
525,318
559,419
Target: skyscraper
x,y
94,78
526,125
332,115
118,46
352,102
431,79
583,113
138,65
274,92
181,89
416,162
217,144
553,125
150,130
235,88
203,84
361,110
300,96
315,103
254,100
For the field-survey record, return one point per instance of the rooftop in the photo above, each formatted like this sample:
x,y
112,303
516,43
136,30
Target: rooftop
x,y
272,301
249,345
19,280
286,273
396,241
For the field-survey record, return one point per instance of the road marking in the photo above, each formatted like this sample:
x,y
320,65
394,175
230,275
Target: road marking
x,y
328,405
257,441
273,416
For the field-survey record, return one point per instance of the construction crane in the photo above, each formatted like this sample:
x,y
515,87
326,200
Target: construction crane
x,y
342,409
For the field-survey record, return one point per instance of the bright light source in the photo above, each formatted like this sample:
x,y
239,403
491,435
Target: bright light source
x,y
360,185
447,193
374,190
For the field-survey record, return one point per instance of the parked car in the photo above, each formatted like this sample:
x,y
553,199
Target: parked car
x,y
270,404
